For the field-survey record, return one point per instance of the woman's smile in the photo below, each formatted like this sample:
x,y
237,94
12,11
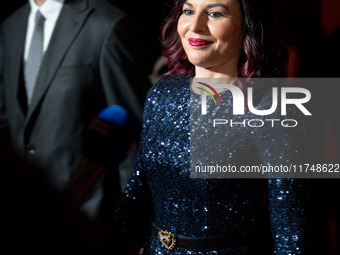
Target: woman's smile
x,y
197,42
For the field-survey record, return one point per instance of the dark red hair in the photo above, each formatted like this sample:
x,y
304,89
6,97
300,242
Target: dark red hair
x,y
262,54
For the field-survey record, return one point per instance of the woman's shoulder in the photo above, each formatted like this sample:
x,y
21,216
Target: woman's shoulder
x,y
169,90
172,81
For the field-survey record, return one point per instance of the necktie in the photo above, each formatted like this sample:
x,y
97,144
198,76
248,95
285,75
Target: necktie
x,y
35,55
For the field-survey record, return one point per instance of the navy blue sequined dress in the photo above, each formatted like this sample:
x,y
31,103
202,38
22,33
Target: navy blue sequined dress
x,y
161,190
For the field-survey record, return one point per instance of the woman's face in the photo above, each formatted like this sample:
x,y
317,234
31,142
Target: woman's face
x,y
211,33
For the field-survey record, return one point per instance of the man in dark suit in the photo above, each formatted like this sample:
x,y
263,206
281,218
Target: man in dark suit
x,y
91,58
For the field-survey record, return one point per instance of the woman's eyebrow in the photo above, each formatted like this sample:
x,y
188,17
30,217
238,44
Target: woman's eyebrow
x,y
187,3
209,6
217,5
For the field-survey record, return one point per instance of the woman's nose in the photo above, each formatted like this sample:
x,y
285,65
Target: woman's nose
x,y
198,23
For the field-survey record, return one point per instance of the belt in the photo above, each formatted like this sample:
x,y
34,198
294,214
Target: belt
x,y
171,241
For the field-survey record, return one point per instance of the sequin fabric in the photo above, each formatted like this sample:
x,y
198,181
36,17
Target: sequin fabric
x,y
264,215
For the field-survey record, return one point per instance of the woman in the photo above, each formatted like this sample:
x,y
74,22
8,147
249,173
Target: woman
x,y
162,206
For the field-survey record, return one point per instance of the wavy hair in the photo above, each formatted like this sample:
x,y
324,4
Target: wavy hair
x,y
262,54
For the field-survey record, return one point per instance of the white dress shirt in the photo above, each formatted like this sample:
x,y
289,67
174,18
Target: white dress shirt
x,y
50,10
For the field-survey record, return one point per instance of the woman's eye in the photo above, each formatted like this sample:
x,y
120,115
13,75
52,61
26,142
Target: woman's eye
x,y
188,12
215,15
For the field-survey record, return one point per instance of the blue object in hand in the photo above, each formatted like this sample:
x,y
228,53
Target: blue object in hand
x,y
115,114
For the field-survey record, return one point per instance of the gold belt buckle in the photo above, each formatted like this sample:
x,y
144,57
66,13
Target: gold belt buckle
x,y
168,239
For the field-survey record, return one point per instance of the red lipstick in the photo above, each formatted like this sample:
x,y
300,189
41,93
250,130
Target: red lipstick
x,y
196,42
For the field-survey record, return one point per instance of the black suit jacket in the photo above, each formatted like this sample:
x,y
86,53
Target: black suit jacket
x,y
93,60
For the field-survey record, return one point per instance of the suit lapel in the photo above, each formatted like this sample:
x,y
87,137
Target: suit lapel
x,y
18,45
70,22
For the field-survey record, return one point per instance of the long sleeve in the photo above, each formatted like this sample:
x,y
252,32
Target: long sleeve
x,y
134,212
287,211
135,209
287,198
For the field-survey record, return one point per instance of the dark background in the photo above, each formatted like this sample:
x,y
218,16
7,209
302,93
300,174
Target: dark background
x,y
311,30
